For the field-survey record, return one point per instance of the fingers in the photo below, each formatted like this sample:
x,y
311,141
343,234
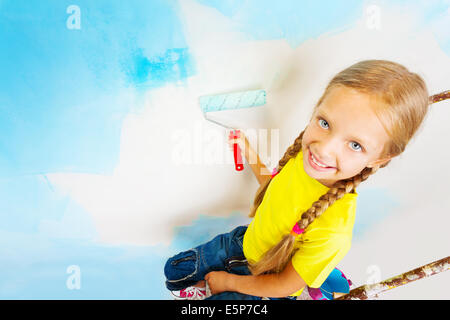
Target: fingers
x,y
237,136
240,140
233,133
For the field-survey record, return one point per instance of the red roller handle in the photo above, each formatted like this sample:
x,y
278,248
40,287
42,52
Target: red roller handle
x,y
238,164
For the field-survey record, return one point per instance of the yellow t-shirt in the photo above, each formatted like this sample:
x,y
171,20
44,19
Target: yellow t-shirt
x,y
325,241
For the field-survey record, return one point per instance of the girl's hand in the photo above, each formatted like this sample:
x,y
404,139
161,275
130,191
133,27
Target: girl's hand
x,y
241,140
217,281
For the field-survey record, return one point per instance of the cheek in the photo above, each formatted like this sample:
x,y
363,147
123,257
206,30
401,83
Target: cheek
x,y
307,136
352,166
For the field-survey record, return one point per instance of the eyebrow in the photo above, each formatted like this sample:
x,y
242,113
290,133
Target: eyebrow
x,y
362,142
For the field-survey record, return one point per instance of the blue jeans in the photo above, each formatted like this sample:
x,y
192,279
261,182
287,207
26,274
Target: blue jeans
x,y
222,253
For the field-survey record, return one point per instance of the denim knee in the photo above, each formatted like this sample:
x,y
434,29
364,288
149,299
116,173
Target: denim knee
x,y
181,270
188,267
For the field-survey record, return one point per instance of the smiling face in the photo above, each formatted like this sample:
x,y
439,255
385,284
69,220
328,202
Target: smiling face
x,y
343,137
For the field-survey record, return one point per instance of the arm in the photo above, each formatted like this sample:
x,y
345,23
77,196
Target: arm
x,y
259,169
275,285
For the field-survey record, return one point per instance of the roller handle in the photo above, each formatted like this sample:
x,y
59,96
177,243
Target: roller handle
x,y
238,164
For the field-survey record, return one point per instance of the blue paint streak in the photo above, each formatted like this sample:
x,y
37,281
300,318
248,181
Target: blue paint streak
x,y
27,201
373,208
146,73
297,21
60,102
293,20
432,11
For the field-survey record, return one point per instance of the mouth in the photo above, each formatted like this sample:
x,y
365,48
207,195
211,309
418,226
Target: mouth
x,y
316,164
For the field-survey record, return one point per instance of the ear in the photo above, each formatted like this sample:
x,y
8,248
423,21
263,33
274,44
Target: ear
x,y
378,162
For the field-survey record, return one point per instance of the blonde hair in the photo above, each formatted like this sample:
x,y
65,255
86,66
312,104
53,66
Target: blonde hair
x,y
404,102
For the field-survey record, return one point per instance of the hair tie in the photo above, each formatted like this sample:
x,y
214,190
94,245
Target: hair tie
x,y
274,172
296,230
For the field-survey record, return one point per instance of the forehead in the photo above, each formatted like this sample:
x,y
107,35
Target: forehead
x,y
351,113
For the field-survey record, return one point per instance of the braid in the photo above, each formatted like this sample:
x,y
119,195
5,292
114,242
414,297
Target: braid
x,y
336,192
291,152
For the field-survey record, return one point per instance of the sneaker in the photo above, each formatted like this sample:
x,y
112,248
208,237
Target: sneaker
x,y
191,293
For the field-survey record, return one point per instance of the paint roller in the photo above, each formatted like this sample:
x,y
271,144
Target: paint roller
x,y
230,101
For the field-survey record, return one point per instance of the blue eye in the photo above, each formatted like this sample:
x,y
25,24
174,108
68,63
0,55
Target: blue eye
x,y
322,122
357,144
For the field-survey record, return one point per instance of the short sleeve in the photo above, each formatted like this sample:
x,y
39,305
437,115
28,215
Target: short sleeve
x,y
315,260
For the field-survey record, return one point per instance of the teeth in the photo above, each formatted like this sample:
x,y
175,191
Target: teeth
x,y
315,161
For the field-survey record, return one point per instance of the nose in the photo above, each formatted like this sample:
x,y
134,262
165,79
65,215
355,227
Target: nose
x,y
327,149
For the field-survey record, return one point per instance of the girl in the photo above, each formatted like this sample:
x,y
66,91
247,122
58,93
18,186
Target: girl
x,y
303,214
